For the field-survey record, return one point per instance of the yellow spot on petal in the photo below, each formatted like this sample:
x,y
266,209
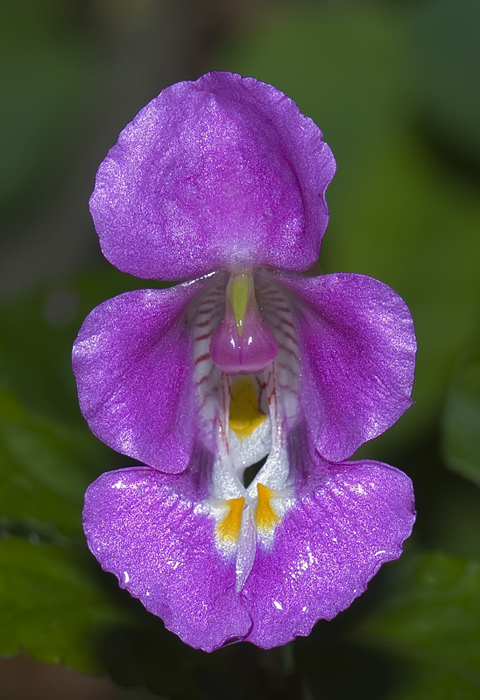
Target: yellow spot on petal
x,y
266,516
229,528
245,416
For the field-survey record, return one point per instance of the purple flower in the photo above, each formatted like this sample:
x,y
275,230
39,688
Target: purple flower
x,y
222,180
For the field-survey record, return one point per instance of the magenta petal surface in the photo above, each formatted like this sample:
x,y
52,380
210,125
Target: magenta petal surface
x,y
328,546
133,364
357,346
146,528
220,173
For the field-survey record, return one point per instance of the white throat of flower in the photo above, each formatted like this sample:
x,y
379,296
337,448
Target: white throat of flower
x,y
245,419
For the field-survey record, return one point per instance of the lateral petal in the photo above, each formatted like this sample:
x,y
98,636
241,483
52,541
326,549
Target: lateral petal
x,y
357,348
133,364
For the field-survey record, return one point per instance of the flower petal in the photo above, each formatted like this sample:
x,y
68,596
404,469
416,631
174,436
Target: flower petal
x,y
134,368
357,346
146,528
351,520
220,173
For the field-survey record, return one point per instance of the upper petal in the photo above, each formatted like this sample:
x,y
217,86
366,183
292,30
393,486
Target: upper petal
x,y
147,529
224,172
357,350
133,364
351,519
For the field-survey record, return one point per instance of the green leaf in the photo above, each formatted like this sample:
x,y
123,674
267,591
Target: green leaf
x,y
44,471
51,607
461,420
431,617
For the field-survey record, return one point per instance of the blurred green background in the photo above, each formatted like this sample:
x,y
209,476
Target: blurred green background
x,y
394,87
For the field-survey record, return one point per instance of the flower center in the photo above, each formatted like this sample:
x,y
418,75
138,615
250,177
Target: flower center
x,y
242,343
247,406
